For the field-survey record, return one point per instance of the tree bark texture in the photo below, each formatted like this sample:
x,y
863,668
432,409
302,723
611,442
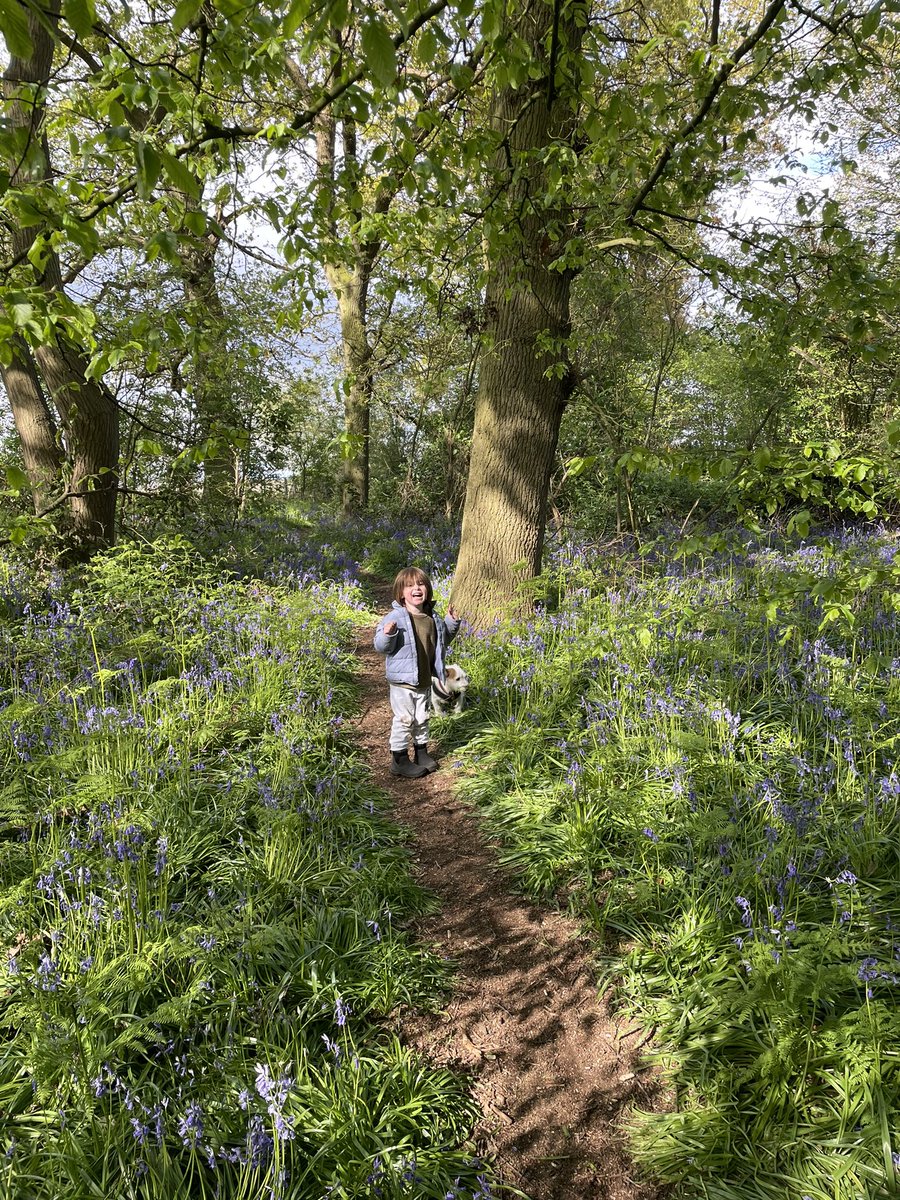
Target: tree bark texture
x,y
90,420
213,399
88,414
37,430
348,264
525,380
350,286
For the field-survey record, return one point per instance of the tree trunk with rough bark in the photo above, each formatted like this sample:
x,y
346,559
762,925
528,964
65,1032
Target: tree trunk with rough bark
x,y
348,269
88,414
90,419
213,399
525,380
37,430
350,286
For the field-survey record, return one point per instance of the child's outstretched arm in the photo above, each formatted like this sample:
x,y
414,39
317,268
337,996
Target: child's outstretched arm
x,y
386,636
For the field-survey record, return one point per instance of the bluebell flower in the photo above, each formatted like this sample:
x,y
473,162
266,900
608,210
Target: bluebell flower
x,y
260,1142
190,1126
140,1131
846,877
332,1046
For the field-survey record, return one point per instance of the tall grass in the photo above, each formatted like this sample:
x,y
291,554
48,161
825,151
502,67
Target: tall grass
x,y
199,901
716,793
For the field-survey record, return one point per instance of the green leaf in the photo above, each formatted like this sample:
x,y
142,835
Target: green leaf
x,y
185,12
296,15
148,167
427,46
179,175
39,252
17,479
195,222
800,522
871,21
27,211
19,308
378,48
81,15
577,466
165,243
14,27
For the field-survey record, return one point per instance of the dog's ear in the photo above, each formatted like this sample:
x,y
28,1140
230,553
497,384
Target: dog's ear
x,y
453,671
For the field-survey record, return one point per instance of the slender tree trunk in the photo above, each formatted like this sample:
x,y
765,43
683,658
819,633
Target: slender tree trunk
x,y
525,379
213,402
350,286
87,411
348,269
41,452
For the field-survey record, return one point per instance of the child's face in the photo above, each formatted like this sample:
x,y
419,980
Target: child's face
x,y
415,595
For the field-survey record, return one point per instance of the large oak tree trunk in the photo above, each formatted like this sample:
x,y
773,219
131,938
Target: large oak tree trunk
x,y
88,414
525,378
91,422
517,418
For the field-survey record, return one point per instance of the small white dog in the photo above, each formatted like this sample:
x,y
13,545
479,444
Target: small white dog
x,y
449,696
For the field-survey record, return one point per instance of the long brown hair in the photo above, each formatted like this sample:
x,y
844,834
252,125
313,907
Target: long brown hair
x,y
406,578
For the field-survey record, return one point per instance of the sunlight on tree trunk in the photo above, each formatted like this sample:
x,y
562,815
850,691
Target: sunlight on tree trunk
x,y
213,408
525,377
87,411
349,286
34,423
91,421
348,269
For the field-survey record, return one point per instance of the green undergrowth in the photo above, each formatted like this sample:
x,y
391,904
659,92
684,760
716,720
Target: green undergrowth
x,y
716,794
202,901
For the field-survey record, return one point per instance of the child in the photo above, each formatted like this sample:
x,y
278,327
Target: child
x,y
413,641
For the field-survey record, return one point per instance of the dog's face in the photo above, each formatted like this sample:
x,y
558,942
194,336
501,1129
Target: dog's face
x,y
450,696
456,680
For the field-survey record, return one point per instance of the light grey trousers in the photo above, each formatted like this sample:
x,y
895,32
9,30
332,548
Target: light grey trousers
x,y
411,708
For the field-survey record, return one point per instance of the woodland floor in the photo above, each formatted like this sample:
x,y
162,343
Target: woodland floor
x,y
552,1070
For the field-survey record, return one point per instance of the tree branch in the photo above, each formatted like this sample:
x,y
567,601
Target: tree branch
x,y
719,80
213,133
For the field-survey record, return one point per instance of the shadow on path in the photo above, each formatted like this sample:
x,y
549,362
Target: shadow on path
x,y
553,1072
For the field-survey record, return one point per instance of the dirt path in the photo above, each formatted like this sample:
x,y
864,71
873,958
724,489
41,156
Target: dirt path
x,y
551,1070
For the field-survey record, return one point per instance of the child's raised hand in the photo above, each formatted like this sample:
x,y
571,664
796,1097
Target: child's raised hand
x,y
389,627
451,612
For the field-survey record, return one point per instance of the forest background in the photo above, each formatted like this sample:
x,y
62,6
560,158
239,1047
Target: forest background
x,y
617,262
588,301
